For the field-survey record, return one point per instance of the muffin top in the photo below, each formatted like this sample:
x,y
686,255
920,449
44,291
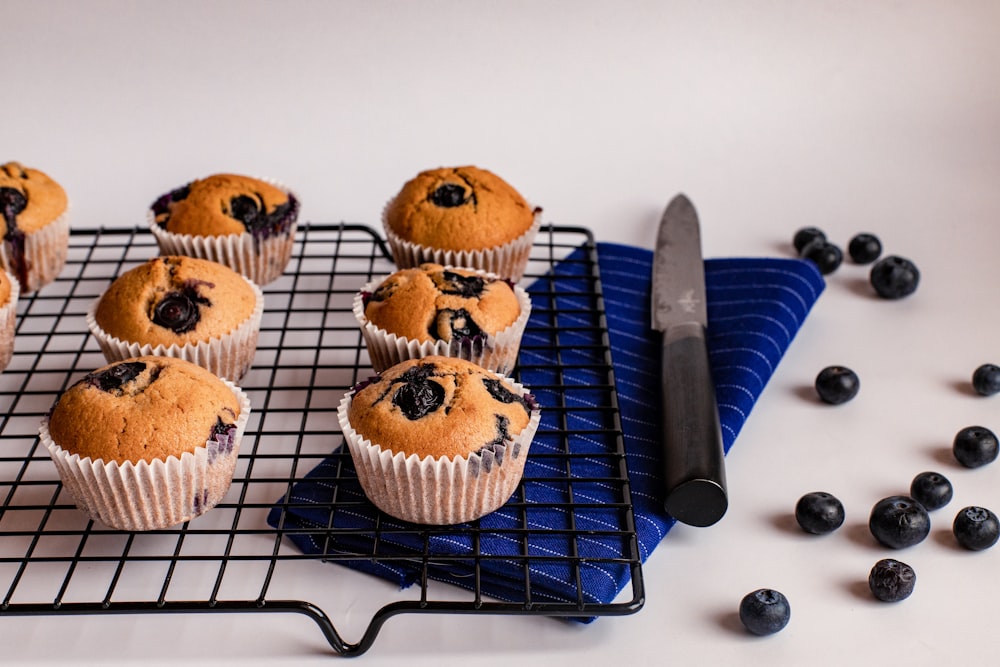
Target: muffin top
x,y
224,204
143,409
29,199
4,287
439,406
175,300
459,208
432,302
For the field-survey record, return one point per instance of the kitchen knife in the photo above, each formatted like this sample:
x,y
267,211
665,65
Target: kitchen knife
x,y
693,457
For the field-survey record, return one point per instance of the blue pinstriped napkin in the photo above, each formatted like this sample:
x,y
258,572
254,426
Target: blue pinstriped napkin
x,y
755,308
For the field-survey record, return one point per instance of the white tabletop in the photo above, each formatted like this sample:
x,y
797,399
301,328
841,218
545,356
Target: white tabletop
x,y
771,115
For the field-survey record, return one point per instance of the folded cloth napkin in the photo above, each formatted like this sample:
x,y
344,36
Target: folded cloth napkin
x,y
755,308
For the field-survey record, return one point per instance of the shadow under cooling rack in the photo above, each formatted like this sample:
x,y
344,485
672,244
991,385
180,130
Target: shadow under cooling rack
x,y
54,560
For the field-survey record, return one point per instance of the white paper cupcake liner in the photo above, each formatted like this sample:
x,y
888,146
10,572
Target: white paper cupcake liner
x,y
151,495
438,491
45,252
8,322
229,356
495,352
508,260
260,260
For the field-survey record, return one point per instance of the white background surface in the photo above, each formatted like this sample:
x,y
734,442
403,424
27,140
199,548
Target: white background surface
x,y
852,116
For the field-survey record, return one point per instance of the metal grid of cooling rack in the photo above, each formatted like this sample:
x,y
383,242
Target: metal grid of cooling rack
x,y
309,353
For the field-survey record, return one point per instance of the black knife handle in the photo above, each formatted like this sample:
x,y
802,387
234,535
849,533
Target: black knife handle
x,y
693,457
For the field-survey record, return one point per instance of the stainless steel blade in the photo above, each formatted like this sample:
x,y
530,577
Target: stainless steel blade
x,y
693,456
678,293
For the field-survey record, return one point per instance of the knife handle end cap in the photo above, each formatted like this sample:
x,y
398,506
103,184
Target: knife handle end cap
x,y
697,502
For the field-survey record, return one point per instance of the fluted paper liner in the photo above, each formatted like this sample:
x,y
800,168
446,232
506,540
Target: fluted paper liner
x,y
229,356
438,491
149,495
45,251
262,260
508,260
8,323
495,352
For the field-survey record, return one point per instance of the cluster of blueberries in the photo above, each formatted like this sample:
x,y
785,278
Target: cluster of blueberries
x,y
897,521
892,277
903,521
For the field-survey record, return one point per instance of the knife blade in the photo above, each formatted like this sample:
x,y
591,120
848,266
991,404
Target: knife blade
x,y
693,456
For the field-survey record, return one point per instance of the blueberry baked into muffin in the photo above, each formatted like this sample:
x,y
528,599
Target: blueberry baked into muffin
x,y
439,440
439,310
461,216
9,291
245,223
184,307
34,226
148,442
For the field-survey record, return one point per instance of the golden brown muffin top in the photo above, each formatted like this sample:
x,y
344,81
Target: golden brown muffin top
x,y
224,204
459,208
38,199
438,406
175,300
432,302
4,287
143,409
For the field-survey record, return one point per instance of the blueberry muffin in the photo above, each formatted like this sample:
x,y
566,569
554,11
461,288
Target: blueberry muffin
x,y
148,442
439,440
34,226
439,310
246,223
184,307
9,289
461,216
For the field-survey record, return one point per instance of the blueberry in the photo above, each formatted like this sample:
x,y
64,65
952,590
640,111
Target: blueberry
x,y
899,521
464,286
382,292
12,202
502,438
181,193
805,236
114,377
819,513
178,310
454,324
894,277
501,393
864,248
222,428
891,580
975,446
223,433
449,195
418,400
764,611
244,209
932,490
825,255
837,384
254,216
986,379
161,207
976,528
418,396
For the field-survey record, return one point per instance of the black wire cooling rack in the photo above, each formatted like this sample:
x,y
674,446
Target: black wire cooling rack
x,y
54,560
